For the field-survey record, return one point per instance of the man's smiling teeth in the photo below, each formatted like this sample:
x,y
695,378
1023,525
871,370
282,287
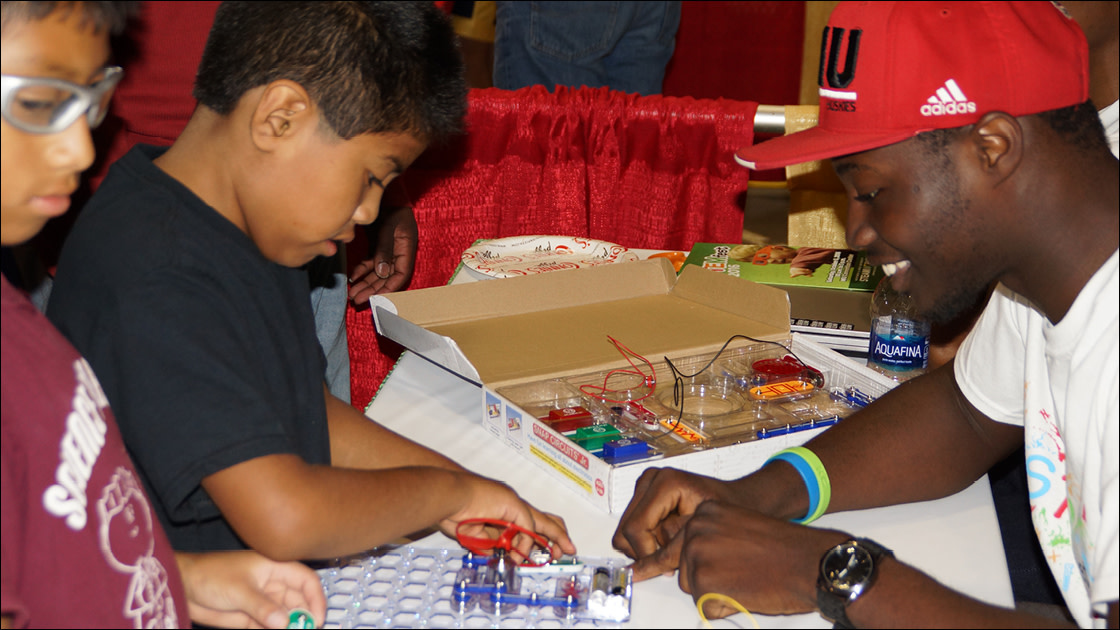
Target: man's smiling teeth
x,y
891,268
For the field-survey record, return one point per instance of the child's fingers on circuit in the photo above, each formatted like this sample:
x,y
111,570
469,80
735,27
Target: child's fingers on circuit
x,y
555,530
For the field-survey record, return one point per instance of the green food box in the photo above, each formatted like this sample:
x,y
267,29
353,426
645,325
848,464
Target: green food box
x,y
782,265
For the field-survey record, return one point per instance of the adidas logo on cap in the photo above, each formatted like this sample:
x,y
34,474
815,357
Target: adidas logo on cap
x,y
948,100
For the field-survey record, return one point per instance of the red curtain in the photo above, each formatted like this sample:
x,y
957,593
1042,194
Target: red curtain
x,y
642,171
741,50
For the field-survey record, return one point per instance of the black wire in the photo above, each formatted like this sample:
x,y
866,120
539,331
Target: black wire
x,y
678,377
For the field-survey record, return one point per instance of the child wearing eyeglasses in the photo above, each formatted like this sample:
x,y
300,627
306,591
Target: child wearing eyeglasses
x,y
181,284
81,544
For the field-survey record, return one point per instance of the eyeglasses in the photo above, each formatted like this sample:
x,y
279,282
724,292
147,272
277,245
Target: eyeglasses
x,y
43,105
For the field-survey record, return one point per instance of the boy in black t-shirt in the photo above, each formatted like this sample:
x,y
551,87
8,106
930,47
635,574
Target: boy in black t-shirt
x,y
189,303
80,545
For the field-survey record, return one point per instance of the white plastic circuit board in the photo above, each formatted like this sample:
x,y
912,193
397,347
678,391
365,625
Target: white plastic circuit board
x,y
410,587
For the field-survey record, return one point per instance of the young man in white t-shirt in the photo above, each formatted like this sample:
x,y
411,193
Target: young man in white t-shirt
x,y
964,135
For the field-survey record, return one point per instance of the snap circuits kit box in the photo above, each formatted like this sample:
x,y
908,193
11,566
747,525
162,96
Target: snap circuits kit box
x,y
598,374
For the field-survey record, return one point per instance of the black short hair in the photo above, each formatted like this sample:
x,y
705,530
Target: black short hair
x,y
371,67
103,15
1078,125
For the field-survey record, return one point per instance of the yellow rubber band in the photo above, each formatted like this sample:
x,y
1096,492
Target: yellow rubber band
x,y
725,599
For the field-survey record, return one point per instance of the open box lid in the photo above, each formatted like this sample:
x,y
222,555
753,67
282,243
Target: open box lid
x,y
513,330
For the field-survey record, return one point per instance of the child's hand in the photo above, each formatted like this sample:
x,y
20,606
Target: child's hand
x,y
489,499
394,239
243,589
552,527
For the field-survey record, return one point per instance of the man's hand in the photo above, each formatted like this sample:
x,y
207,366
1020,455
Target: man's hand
x,y
243,589
394,255
766,564
664,500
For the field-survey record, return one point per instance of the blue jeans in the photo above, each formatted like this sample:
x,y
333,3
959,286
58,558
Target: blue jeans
x,y
328,301
621,45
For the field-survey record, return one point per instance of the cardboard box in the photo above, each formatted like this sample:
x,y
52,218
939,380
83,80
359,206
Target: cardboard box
x,y
507,333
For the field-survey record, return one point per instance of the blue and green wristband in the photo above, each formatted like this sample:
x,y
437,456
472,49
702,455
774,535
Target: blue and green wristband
x,y
812,471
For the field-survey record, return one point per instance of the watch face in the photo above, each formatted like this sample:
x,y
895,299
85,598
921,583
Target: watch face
x,y
846,568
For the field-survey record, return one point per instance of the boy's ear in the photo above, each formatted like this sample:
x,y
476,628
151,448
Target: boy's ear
x,y
998,138
283,109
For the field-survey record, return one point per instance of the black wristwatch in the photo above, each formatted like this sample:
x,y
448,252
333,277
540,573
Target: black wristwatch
x,y
847,571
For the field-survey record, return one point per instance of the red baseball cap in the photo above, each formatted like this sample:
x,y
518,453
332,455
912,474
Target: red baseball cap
x,y
891,70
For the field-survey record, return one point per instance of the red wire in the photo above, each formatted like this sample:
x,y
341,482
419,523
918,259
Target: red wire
x,y
483,545
649,380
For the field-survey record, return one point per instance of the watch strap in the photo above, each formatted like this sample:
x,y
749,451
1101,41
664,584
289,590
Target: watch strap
x,y
834,605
